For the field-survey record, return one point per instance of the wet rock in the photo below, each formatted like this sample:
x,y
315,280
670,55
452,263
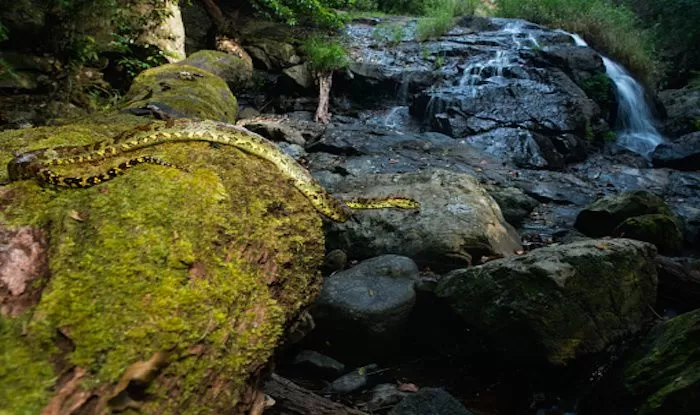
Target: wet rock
x,y
514,203
679,284
559,302
236,72
604,215
353,381
322,365
658,229
682,109
336,260
430,401
384,396
524,148
665,374
367,306
275,131
681,154
458,219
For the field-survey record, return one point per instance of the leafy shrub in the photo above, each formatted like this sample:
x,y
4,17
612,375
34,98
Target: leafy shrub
x,y
325,54
310,12
612,29
677,33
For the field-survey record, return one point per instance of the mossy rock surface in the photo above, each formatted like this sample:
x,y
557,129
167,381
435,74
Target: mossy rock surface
x,y
604,215
560,302
235,71
665,373
189,91
192,273
660,230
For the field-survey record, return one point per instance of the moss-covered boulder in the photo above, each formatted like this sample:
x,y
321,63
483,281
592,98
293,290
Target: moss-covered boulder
x,y
604,215
235,71
665,373
560,302
164,290
185,90
658,229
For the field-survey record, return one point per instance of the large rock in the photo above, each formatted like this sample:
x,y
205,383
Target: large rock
x,y
682,109
429,401
186,90
605,214
680,154
457,220
665,373
559,302
366,307
658,229
235,71
159,290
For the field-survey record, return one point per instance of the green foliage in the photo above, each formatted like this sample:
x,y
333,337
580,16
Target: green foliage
x,y
677,34
599,88
325,54
439,16
612,29
309,12
3,32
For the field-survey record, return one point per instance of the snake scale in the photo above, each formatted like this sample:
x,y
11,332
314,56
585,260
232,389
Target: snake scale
x,y
37,164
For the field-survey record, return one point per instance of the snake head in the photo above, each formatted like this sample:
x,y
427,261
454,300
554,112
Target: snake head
x,y
24,165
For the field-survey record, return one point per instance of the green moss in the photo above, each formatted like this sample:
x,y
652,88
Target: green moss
x,y
203,95
661,230
665,372
26,374
163,259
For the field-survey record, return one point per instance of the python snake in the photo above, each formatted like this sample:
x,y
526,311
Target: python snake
x,y
37,164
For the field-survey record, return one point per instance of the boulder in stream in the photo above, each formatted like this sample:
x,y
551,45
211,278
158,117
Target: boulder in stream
x,y
560,302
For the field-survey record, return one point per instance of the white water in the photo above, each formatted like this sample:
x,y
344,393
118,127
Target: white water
x,y
637,131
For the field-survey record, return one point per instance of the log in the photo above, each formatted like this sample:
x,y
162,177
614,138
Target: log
x,y
291,398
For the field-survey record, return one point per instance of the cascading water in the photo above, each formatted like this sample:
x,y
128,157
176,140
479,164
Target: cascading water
x,y
637,131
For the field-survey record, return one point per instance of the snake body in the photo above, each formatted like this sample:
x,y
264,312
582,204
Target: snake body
x,y
37,164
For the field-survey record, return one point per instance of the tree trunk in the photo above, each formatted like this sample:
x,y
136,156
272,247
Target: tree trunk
x,y
325,80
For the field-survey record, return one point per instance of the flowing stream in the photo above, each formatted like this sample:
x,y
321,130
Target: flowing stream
x,y
637,130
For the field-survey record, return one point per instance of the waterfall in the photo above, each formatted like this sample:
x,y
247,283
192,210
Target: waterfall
x,y
637,131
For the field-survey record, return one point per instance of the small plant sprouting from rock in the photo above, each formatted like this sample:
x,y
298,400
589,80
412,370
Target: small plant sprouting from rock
x,y
324,56
388,34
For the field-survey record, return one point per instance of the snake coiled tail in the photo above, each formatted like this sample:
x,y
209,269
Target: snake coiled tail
x,y
37,164
46,175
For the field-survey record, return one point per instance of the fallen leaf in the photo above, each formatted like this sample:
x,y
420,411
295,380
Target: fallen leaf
x,y
407,387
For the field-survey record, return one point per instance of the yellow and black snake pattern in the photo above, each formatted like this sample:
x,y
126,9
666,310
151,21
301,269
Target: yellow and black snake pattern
x,y
37,164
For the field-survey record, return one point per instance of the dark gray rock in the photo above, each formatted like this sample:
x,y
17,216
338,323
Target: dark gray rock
x,y
367,306
679,283
682,109
604,215
514,203
353,381
560,302
318,363
430,401
681,154
383,396
457,219
664,373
